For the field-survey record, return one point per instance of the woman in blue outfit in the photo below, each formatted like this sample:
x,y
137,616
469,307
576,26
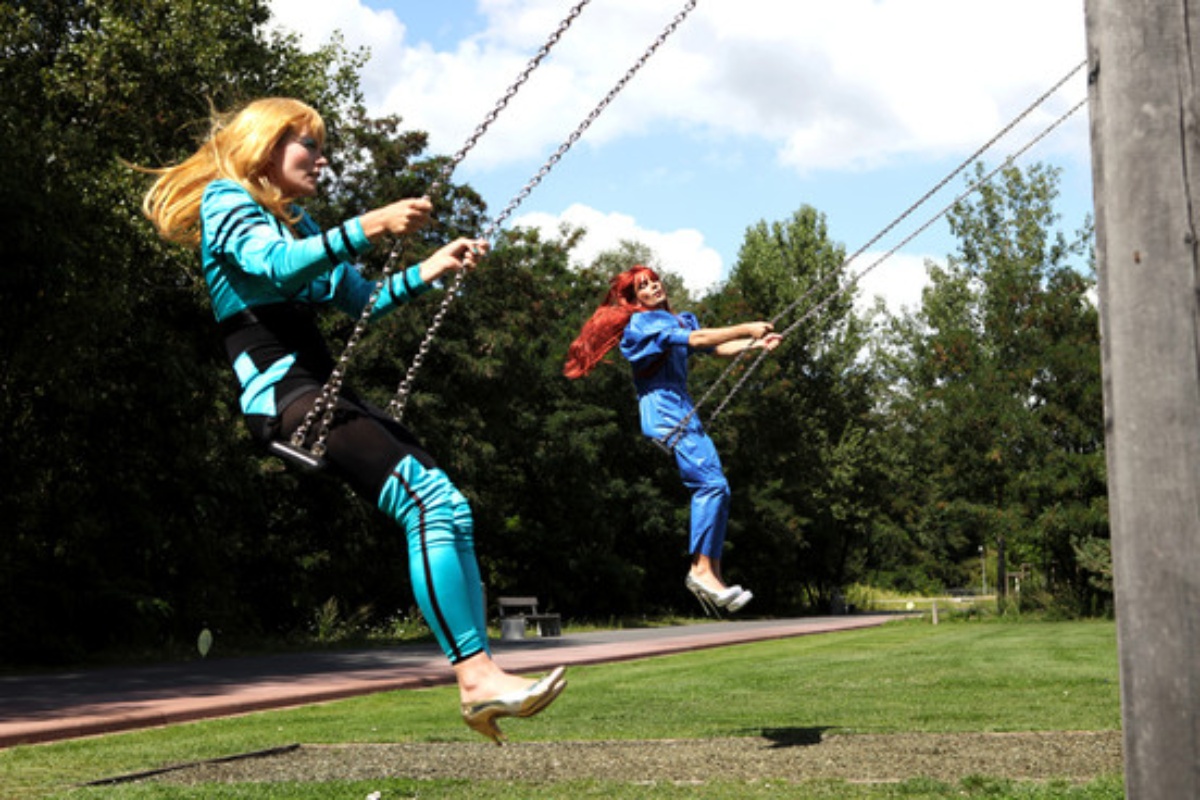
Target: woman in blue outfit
x,y
657,343
269,267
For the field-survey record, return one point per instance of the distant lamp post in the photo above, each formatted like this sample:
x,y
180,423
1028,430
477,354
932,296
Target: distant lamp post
x,y
983,567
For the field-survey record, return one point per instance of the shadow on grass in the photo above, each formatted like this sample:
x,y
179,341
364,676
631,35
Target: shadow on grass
x,y
792,737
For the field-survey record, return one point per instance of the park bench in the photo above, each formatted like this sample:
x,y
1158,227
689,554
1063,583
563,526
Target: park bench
x,y
517,614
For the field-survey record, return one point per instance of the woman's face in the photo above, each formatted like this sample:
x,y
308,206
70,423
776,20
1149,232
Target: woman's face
x,y
296,163
650,291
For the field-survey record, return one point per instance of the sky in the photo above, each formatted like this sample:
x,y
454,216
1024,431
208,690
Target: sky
x,y
747,112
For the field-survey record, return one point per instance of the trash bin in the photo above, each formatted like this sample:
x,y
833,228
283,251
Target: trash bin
x,y
512,628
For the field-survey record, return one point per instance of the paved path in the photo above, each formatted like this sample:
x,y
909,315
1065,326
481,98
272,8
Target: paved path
x,y
66,705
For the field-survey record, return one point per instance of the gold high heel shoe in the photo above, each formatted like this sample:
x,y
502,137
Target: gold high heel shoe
x,y
482,716
732,598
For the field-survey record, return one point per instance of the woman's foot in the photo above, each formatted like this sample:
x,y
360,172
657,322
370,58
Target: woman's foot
x,y
708,580
731,598
491,686
530,699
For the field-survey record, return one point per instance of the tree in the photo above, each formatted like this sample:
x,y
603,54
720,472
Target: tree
x,y
137,511
995,392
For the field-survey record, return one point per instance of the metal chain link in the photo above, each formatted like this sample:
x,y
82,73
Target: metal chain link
x,y
325,405
400,400
668,440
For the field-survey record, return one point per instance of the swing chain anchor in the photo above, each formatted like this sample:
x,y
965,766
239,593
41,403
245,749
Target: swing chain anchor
x,y
298,455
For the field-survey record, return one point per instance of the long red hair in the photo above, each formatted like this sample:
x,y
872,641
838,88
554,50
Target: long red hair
x,y
603,330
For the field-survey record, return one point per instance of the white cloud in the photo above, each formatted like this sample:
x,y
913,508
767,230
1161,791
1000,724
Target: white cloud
x,y
830,84
862,81
899,280
315,22
827,87
682,251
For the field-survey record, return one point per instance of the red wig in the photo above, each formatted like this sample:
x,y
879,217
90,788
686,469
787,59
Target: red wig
x,y
603,330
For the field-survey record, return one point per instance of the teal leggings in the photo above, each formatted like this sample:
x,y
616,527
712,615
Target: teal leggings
x,y
441,555
386,464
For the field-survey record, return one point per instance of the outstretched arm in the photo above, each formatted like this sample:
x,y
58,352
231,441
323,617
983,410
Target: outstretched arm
x,y
398,218
458,255
733,339
406,284
731,349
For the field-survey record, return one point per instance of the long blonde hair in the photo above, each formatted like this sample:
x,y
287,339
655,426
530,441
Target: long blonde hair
x,y
238,147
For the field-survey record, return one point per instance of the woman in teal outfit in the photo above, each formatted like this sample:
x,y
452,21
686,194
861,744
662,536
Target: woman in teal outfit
x,y
268,267
657,343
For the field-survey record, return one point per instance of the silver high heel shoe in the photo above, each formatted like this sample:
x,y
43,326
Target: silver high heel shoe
x,y
739,602
482,716
733,598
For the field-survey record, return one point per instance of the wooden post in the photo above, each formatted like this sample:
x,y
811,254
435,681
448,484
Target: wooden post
x,y
1144,65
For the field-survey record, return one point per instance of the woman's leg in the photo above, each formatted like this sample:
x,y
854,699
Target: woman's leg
x,y
464,521
385,463
707,571
441,555
700,468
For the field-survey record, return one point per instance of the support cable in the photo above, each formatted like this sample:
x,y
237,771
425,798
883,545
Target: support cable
x,y
667,441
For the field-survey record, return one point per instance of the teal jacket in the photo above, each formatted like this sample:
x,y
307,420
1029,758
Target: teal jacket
x,y
250,258
265,279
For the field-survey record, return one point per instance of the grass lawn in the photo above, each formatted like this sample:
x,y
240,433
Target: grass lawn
x,y
906,677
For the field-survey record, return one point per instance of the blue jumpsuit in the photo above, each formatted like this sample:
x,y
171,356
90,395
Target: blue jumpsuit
x,y
265,283
656,345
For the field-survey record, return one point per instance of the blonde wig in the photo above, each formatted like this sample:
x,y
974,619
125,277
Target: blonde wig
x,y
238,147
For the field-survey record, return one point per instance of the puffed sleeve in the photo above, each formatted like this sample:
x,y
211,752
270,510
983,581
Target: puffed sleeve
x,y
649,334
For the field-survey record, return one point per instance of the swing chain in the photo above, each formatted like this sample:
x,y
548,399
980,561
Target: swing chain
x,y
591,117
323,407
668,440
511,91
400,401
853,281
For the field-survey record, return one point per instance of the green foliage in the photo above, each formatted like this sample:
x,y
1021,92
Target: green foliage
x,y
330,624
137,511
994,416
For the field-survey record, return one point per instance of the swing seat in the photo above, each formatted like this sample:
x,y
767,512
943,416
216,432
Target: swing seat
x,y
297,455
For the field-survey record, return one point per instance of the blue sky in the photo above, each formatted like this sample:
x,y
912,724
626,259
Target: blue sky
x,y
749,111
